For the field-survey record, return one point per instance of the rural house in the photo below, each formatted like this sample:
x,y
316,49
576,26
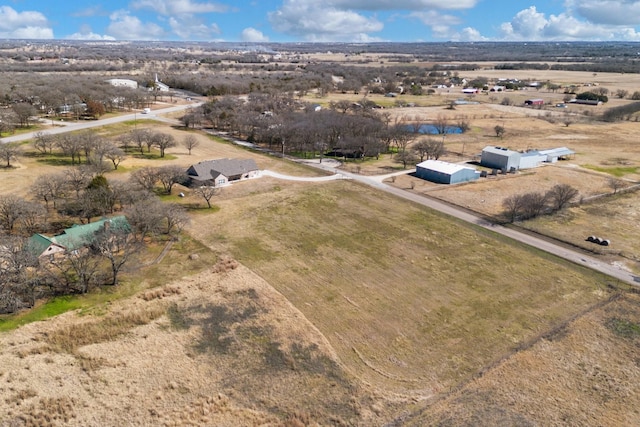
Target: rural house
x,y
74,238
221,171
445,173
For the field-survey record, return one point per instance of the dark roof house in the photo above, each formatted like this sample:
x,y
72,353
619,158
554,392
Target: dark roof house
x,y
222,171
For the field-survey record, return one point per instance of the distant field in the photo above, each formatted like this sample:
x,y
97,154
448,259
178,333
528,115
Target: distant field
x,y
413,302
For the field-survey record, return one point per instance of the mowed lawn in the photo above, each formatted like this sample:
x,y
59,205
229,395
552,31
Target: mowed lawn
x,y
413,302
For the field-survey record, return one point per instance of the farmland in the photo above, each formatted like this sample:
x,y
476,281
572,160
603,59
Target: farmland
x,y
333,303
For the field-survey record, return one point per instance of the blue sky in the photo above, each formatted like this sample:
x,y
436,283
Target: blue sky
x,y
323,20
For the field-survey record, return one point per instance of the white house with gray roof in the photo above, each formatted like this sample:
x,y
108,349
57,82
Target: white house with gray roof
x,y
221,172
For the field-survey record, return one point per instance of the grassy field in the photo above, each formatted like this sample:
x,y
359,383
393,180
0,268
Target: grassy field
x,y
413,302
349,306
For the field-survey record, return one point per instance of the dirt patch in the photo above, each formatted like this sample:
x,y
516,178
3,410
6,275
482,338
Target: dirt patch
x,y
227,350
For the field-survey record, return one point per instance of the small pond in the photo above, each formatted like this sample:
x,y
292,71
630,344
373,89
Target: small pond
x,y
430,129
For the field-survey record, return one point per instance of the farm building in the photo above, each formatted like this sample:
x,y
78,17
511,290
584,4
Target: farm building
x,y
123,83
445,173
534,101
586,102
470,90
531,159
500,158
555,154
221,171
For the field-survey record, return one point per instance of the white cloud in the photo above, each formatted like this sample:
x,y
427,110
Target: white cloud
x,y
86,33
469,34
355,20
178,7
315,21
440,24
252,35
183,16
126,27
607,12
413,5
23,25
188,28
529,24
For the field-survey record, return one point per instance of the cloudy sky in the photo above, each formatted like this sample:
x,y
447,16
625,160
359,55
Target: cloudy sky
x,y
322,20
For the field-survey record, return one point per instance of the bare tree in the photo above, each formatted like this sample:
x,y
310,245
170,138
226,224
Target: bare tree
x,y
561,195
176,218
567,120
145,177
190,142
77,178
81,268
405,157
207,192
616,184
24,112
499,131
9,152
622,93
44,142
146,217
32,217
117,245
71,145
19,281
533,204
50,188
163,141
170,175
116,155
441,124
429,148
11,207
140,138
401,137
513,206
8,120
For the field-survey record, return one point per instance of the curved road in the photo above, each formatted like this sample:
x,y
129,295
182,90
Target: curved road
x,y
542,244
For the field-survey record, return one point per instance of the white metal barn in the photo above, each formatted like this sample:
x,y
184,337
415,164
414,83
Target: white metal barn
x,y
500,158
445,173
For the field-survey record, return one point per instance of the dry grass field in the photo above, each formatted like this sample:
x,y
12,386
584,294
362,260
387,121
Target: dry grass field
x,y
335,304
424,302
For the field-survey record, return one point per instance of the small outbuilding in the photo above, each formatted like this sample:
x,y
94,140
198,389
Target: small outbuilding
x,y
500,158
445,173
554,154
531,159
534,101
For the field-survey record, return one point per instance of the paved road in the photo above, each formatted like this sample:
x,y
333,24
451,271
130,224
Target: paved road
x,y
542,244
74,126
